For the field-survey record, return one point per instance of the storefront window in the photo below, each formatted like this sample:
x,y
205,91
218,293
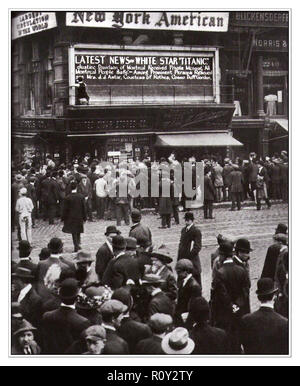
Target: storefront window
x,y
241,89
275,95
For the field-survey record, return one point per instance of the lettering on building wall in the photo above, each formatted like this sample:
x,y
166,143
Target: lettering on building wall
x,y
260,18
188,21
32,22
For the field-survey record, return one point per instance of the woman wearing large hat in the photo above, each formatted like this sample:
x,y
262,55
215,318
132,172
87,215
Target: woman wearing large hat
x,y
160,260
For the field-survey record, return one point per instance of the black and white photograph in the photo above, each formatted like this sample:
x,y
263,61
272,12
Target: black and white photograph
x,y
149,182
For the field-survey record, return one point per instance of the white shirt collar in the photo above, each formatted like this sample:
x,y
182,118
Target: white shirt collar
x,y
56,256
67,305
108,327
25,258
156,291
228,261
160,270
189,227
24,292
267,305
120,254
186,279
109,246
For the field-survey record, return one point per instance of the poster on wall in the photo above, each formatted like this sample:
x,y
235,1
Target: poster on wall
x,y
31,23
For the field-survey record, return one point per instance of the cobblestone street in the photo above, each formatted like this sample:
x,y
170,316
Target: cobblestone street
x,y
257,226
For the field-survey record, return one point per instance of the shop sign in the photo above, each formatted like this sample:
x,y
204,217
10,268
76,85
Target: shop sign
x,y
271,44
100,68
31,23
259,19
178,21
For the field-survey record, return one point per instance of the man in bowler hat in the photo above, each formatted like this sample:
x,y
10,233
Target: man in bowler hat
x,y
190,245
105,253
139,230
63,326
265,332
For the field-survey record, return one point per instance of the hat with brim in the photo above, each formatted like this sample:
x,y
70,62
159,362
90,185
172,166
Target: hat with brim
x,y
243,245
18,177
24,326
178,342
23,273
111,229
151,279
83,257
95,333
266,286
118,242
161,253
281,237
68,289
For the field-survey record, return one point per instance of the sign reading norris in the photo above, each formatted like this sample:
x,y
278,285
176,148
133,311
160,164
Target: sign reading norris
x,y
186,21
97,69
31,23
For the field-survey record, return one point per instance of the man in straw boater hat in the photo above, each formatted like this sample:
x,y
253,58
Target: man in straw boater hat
x,y
105,253
23,342
265,332
178,342
160,260
64,325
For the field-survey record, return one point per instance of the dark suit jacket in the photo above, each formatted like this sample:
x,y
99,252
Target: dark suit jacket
x,y
114,344
54,192
85,190
235,181
270,263
28,264
44,265
74,213
35,349
103,257
209,340
31,193
150,346
44,189
160,303
230,286
132,332
209,190
264,332
253,171
140,231
191,290
60,328
275,174
119,270
31,308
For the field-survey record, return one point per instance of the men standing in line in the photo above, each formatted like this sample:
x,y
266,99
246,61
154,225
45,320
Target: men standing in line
x,y
74,215
190,245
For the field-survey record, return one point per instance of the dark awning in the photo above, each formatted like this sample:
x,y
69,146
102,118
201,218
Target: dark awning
x,y
196,140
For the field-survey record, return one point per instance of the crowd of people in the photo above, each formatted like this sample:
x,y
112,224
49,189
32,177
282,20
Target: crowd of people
x,y
127,299
111,191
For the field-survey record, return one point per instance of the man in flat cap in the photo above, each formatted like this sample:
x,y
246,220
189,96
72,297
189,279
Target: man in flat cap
x,y
105,253
112,312
280,245
188,288
190,245
265,332
95,338
160,325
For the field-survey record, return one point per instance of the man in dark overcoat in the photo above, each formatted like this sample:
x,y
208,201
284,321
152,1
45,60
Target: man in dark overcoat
x,y
188,288
165,204
265,332
229,295
209,194
235,182
105,253
86,189
61,327
138,230
74,215
208,340
122,267
53,197
190,245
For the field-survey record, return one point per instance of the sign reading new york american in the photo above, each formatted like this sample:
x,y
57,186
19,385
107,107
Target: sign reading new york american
x,y
31,23
187,21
